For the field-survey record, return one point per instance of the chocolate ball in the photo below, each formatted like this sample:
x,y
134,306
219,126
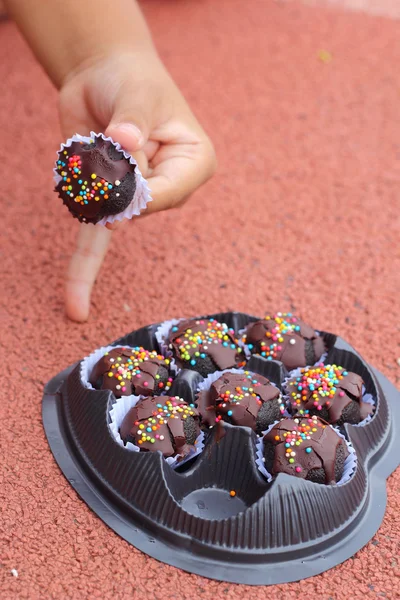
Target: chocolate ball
x,y
330,392
307,448
96,179
136,371
167,424
205,346
286,338
243,399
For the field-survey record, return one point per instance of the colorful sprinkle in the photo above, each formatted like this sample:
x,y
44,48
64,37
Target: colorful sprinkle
x,y
172,408
316,385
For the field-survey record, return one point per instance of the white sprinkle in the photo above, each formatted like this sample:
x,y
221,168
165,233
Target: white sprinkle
x,y
292,341
117,182
14,572
117,195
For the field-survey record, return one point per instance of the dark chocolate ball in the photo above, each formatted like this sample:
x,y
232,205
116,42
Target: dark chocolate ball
x,y
205,346
96,179
286,338
127,371
167,424
308,448
330,392
245,399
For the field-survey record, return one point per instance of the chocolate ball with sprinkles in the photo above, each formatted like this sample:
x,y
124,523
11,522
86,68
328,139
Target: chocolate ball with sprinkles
x,y
166,424
205,346
245,399
330,392
307,448
126,371
97,180
286,338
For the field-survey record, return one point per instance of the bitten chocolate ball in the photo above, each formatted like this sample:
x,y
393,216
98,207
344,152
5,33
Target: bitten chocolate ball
x,y
307,448
167,424
136,371
243,399
330,392
205,346
96,179
286,338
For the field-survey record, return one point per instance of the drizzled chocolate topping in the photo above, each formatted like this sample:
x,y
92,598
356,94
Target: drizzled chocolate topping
x,y
196,340
286,338
127,371
245,399
304,446
97,180
330,392
167,424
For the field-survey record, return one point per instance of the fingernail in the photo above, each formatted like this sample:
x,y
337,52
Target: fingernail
x,y
129,129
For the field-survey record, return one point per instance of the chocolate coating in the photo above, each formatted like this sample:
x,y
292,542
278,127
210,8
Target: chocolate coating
x,y
319,456
127,371
330,392
205,346
286,338
114,175
167,424
245,399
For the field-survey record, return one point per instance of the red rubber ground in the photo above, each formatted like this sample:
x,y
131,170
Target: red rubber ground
x,y
303,215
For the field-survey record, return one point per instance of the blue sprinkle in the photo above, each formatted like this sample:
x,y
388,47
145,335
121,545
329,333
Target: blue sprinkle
x,y
308,450
110,186
289,314
80,181
297,328
345,373
149,429
229,413
287,445
193,362
86,202
250,346
102,192
245,389
202,355
312,387
174,328
233,346
225,343
269,357
76,170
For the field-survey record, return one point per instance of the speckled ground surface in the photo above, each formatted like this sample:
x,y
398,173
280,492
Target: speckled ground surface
x,y
303,214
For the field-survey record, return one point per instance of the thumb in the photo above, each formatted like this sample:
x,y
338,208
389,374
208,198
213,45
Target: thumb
x,y
130,122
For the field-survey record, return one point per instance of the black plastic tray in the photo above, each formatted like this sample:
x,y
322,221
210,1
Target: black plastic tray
x,y
276,532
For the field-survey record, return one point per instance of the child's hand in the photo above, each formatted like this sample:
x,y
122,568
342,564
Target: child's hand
x,y
133,99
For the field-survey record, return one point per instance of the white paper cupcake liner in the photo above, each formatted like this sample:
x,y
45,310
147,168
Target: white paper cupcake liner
x,y
349,467
162,336
89,362
368,398
205,385
142,194
117,414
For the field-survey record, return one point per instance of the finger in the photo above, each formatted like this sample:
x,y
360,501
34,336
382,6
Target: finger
x,y
131,121
92,244
116,224
183,169
150,149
